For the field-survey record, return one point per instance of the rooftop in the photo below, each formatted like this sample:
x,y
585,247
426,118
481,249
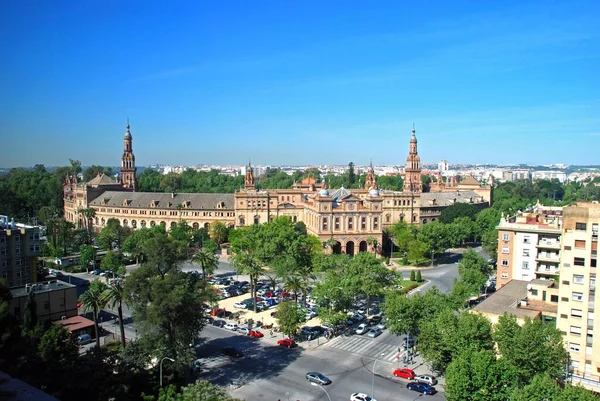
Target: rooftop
x,y
158,200
46,286
75,323
507,299
16,390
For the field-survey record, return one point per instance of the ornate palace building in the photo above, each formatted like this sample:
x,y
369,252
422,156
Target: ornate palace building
x,y
345,220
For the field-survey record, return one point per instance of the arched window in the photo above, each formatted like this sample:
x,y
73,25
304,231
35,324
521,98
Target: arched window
x,y
143,223
133,223
242,221
388,218
125,222
256,219
152,223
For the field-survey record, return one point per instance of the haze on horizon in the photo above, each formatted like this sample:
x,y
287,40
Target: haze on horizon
x,y
305,83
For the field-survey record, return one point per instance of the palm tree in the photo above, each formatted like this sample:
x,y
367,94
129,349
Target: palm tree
x,y
246,263
296,285
89,213
207,261
93,300
115,295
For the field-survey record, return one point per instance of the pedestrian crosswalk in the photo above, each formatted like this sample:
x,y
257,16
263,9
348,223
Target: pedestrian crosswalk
x,y
366,346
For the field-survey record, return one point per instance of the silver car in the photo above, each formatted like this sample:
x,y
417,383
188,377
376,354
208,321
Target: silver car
x,y
374,333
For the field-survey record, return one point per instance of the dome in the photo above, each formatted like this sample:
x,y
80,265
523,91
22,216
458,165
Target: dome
x,y
374,192
324,192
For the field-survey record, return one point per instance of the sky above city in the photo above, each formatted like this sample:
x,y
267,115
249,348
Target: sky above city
x,y
297,83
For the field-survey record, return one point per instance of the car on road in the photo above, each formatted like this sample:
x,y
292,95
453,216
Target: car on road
x,y
381,325
374,333
219,323
244,330
232,326
255,334
287,342
404,373
421,388
318,378
427,379
309,331
240,305
232,351
361,397
362,328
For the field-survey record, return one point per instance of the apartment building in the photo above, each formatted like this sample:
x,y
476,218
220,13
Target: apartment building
x,y
19,249
579,247
529,245
54,300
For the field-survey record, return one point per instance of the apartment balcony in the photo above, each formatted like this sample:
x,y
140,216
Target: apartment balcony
x,y
548,244
547,257
547,272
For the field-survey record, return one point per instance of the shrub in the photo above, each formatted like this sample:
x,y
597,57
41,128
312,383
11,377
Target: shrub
x,y
412,275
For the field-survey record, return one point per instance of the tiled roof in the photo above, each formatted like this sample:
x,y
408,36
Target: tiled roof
x,y
75,323
339,194
101,179
165,200
506,300
446,198
469,181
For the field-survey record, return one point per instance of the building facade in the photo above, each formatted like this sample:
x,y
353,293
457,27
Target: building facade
x,y
579,248
19,250
346,221
529,245
54,300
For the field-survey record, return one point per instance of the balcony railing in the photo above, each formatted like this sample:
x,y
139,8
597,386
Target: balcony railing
x,y
548,244
546,257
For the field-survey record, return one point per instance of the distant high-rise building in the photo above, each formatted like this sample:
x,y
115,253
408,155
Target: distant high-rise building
x,y
443,166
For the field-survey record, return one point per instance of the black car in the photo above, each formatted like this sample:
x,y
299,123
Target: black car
x,y
318,378
421,388
218,323
232,352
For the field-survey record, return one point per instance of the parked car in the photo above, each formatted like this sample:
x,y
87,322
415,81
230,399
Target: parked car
x,y
409,342
309,331
381,325
240,305
219,312
362,329
404,373
310,314
374,333
361,397
233,352
427,379
219,323
255,334
287,342
318,378
243,330
84,339
231,326
421,388
375,320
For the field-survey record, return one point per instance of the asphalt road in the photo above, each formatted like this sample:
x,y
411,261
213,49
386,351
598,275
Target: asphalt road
x,y
271,372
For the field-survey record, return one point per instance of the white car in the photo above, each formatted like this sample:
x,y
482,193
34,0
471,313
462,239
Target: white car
x,y
240,305
231,326
310,314
361,397
243,330
362,328
427,379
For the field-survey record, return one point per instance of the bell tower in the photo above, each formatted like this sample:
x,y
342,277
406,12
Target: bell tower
x,y
412,171
128,169
249,180
370,178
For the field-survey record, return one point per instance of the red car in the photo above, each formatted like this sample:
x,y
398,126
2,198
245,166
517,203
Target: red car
x,y
287,342
404,373
255,333
218,312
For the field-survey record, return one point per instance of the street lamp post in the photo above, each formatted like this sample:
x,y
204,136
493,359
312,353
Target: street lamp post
x,y
373,377
160,368
321,387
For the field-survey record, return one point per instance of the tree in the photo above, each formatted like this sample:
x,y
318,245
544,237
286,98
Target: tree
x,y
201,390
87,256
246,263
134,243
296,285
419,278
351,174
459,209
207,261
30,313
404,313
542,387
112,233
477,375
416,251
218,232
437,237
548,356
412,275
443,337
112,262
88,214
289,317
114,295
57,347
94,300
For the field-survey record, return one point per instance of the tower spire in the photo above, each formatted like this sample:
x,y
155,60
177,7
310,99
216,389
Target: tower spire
x,y
128,169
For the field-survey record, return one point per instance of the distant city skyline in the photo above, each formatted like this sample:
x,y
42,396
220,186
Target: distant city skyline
x,y
310,83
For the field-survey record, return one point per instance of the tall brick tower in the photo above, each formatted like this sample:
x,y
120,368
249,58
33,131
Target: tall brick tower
x,y
128,169
412,171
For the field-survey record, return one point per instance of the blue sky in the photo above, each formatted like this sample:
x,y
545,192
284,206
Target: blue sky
x,y
323,82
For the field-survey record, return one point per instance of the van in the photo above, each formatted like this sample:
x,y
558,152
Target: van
x,y
84,339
